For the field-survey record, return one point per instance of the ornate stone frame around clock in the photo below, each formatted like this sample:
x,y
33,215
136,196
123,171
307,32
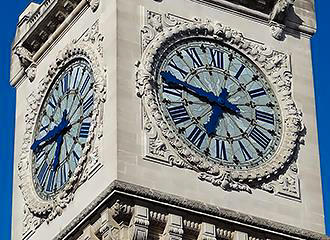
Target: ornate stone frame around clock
x,y
162,140
37,210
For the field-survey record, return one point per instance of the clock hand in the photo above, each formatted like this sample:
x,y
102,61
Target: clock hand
x,y
59,142
209,96
212,124
52,134
222,100
171,79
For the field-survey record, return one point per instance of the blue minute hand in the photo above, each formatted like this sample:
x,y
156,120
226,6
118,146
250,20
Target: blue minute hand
x,y
172,80
212,124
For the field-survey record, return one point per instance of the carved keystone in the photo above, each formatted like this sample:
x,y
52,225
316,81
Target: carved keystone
x,y
240,236
207,232
174,228
139,223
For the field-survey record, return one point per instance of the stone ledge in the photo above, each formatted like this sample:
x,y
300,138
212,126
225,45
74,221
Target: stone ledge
x,y
156,197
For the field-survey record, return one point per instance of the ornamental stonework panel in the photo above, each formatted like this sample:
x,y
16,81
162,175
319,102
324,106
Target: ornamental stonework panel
x,y
246,134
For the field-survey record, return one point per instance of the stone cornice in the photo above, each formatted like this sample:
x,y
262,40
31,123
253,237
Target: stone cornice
x,y
38,29
264,15
142,194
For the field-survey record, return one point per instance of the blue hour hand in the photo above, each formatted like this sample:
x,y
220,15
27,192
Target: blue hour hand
x,y
212,124
52,134
223,100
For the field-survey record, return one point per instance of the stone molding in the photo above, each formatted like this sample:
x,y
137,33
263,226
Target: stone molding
x,y
150,197
41,28
89,48
162,30
276,18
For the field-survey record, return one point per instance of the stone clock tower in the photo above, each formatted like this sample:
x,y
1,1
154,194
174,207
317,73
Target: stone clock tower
x,y
163,119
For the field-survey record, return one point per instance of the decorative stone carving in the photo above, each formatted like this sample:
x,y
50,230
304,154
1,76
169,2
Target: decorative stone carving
x,y
31,72
94,36
89,161
139,223
287,185
277,30
280,10
165,142
30,223
174,228
278,17
94,4
24,56
155,23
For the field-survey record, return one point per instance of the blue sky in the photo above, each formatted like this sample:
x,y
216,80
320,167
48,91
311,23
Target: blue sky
x,y
9,16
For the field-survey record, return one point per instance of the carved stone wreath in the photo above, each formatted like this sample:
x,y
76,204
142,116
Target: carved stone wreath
x,y
275,65
50,209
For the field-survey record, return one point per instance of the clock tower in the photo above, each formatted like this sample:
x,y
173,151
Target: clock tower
x,y
159,119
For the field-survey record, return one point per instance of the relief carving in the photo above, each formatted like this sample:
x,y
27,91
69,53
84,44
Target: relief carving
x,y
94,4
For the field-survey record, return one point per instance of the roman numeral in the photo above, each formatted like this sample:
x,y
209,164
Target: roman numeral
x,y
221,150
265,117
75,156
63,175
197,137
259,137
179,114
84,130
44,128
42,173
171,90
240,71
217,58
65,83
40,156
244,151
83,87
257,92
197,62
88,103
76,78
52,102
173,65
50,182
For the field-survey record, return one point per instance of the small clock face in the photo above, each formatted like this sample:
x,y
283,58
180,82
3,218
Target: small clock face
x,y
62,128
219,103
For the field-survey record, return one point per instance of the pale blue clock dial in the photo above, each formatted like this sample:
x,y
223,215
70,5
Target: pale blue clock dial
x,y
219,103
62,128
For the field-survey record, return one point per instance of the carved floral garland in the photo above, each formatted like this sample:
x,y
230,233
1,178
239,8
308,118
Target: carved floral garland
x,y
276,67
54,207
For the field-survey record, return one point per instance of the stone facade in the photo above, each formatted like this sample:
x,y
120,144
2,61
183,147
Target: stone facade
x,y
131,185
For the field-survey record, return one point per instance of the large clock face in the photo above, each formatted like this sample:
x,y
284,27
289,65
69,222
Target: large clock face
x,y
62,128
219,103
